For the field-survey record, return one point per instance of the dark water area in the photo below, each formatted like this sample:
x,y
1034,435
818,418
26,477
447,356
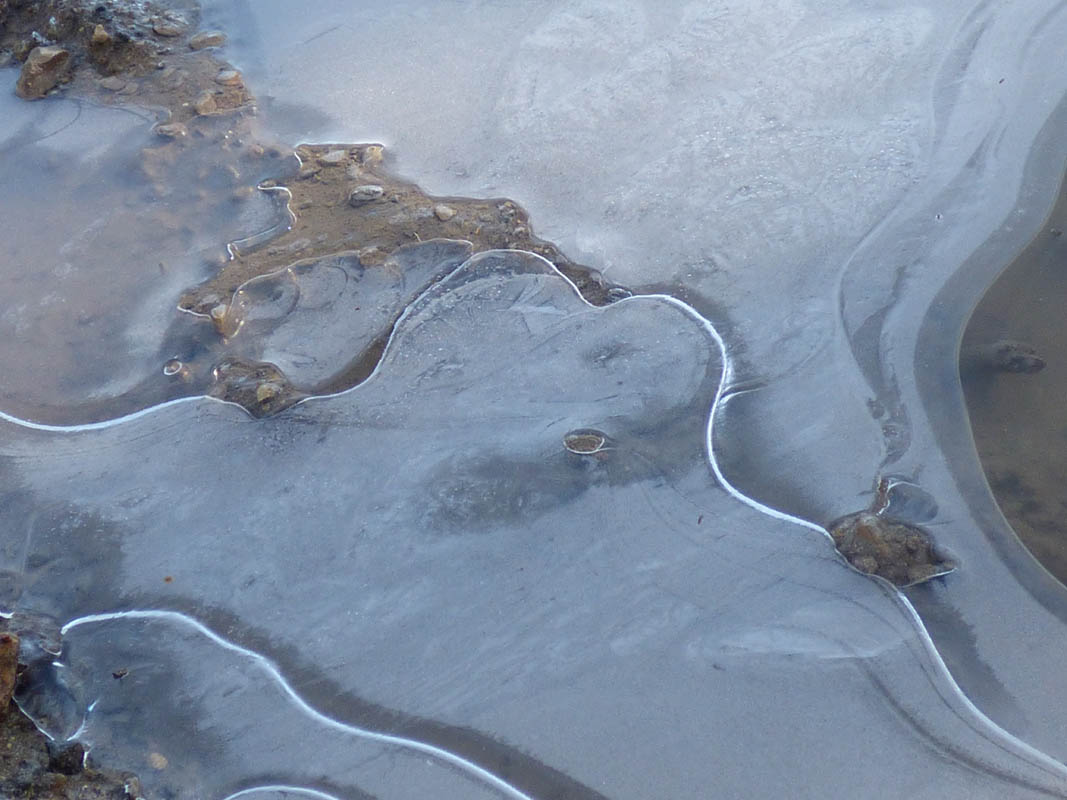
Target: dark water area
x,y
1013,368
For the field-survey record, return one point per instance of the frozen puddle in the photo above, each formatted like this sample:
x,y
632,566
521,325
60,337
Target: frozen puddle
x,y
544,549
415,588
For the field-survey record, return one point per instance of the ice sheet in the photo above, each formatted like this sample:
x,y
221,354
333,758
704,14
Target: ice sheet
x,y
832,184
425,544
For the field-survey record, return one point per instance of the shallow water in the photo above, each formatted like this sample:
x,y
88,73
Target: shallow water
x,y
414,588
1017,417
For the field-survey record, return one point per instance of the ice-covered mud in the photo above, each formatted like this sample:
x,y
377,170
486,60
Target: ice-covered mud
x,y
546,549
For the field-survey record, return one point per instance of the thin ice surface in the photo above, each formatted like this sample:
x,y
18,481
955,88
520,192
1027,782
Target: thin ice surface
x,y
94,258
422,557
316,316
813,176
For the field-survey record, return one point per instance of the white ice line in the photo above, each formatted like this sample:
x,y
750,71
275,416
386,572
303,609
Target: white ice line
x,y
268,666
282,788
95,426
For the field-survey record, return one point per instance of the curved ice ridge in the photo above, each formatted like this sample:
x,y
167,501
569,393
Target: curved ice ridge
x,y
949,688
268,666
301,790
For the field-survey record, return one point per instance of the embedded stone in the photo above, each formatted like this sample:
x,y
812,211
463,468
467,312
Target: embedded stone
x,y
207,39
43,69
367,193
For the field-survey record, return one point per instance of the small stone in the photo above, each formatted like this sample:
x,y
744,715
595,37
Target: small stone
x,y
443,212
157,761
371,256
266,392
43,69
207,39
113,83
371,155
168,27
367,193
228,77
584,443
100,36
333,158
218,312
307,170
205,103
171,130
299,244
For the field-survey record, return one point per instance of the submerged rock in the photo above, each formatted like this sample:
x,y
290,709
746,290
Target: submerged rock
x,y
259,388
1005,355
44,68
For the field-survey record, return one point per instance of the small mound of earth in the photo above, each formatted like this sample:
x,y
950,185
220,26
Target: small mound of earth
x,y
897,551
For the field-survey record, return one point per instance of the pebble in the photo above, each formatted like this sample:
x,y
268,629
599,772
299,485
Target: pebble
x,y
205,103
158,761
372,154
443,212
168,27
171,130
43,68
299,244
113,83
207,39
333,157
100,36
228,77
367,193
266,392
307,170
371,256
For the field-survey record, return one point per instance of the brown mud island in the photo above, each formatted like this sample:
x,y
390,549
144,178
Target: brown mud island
x,y
210,152
877,544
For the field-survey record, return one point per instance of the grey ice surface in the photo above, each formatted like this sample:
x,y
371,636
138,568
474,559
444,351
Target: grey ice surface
x,y
424,544
94,261
832,184
316,316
